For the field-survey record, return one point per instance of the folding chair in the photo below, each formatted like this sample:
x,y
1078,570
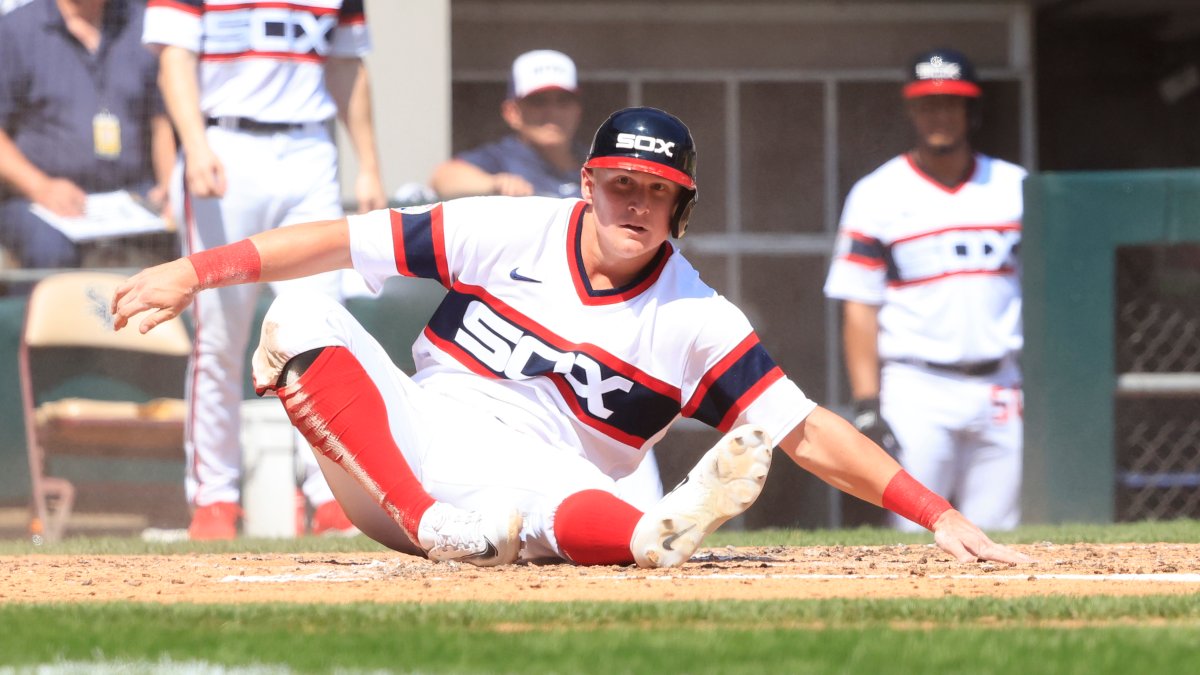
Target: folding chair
x,y
88,391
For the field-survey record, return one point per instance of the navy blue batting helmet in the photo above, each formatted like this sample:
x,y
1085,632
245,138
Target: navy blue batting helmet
x,y
651,141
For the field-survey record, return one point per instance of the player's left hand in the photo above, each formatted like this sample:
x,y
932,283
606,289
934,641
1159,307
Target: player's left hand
x,y
369,192
163,290
967,543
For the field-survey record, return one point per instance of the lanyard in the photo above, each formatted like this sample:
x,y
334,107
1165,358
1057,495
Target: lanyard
x,y
95,64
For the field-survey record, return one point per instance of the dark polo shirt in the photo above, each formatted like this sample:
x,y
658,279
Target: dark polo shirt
x,y
510,155
51,88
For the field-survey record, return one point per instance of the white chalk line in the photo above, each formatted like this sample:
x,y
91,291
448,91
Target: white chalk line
x,y
371,571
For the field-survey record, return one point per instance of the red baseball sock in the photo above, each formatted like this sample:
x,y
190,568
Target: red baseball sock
x,y
594,527
341,413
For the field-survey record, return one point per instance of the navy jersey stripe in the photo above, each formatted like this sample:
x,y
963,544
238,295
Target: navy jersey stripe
x,y
730,388
352,10
603,391
866,249
419,248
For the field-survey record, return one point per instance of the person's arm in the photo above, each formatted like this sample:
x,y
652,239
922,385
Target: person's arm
x,y
179,81
831,449
275,255
351,88
860,335
57,194
459,178
162,159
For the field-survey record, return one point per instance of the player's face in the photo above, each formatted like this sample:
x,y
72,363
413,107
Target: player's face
x,y
940,122
547,118
633,209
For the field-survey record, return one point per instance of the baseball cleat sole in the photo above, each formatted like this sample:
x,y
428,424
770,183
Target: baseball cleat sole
x,y
723,484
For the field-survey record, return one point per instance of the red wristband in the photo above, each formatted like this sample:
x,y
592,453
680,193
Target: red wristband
x,y
908,498
227,265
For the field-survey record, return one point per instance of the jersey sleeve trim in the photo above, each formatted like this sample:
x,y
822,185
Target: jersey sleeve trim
x,y
420,245
732,384
864,250
745,400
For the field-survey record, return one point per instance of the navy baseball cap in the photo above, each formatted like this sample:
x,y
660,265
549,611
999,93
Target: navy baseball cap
x,y
942,72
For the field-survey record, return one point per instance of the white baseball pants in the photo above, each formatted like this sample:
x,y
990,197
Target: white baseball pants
x,y
961,437
273,180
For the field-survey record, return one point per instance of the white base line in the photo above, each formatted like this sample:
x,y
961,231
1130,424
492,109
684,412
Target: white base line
x,y
1168,577
334,576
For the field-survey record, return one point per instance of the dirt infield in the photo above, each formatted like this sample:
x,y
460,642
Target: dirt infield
x,y
728,573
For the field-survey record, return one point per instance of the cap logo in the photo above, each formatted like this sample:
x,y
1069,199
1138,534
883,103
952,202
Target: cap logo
x,y
628,141
938,69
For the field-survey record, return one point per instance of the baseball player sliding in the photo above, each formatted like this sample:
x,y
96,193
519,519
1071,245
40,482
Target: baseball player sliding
x,y
572,335
928,269
250,88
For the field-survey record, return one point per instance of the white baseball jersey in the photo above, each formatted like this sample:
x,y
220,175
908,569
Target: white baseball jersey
x,y
942,262
262,60
618,366
265,62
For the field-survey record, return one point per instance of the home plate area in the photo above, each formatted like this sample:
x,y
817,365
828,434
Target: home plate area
x,y
748,573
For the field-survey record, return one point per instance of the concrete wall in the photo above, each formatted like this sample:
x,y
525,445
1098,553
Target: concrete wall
x,y
409,66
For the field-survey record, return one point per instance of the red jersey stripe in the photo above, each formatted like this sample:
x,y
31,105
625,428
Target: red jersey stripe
x,y
999,227
178,6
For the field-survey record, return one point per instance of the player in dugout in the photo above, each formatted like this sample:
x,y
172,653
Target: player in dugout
x,y
568,343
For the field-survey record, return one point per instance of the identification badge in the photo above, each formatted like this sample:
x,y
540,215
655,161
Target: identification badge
x,y
106,135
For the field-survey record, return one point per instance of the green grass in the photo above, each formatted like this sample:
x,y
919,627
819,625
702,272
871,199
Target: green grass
x,y
1056,634
1030,635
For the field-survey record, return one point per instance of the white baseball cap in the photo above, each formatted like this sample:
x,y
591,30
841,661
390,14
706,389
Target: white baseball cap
x,y
540,70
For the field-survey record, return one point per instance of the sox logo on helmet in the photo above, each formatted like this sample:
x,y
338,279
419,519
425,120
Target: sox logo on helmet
x,y
655,142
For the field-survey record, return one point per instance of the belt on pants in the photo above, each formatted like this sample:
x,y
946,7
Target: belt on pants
x,y
968,368
247,124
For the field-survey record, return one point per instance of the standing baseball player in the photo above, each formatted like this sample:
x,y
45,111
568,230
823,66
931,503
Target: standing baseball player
x,y
572,336
928,271
251,89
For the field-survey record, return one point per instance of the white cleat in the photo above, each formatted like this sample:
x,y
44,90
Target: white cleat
x,y
449,533
724,483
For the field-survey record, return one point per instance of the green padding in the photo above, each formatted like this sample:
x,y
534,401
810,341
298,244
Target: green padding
x,y
1074,223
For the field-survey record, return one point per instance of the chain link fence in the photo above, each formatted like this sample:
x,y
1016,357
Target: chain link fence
x,y
1158,391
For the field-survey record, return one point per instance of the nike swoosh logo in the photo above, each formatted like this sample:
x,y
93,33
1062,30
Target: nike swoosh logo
x,y
671,539
488,553
517,276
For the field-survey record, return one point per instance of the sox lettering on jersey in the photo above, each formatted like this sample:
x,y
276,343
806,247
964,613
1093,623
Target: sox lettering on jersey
x,y
958,251
268,30
506,348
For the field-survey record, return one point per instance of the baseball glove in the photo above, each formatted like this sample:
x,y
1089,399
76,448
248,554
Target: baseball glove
x,y
870,423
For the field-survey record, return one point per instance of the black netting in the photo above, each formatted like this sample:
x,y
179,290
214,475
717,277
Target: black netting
x,y
1158,333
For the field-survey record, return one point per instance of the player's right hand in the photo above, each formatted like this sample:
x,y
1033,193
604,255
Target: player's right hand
x,y
163,290
61,196
511,185
964,540
205,174
870,423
